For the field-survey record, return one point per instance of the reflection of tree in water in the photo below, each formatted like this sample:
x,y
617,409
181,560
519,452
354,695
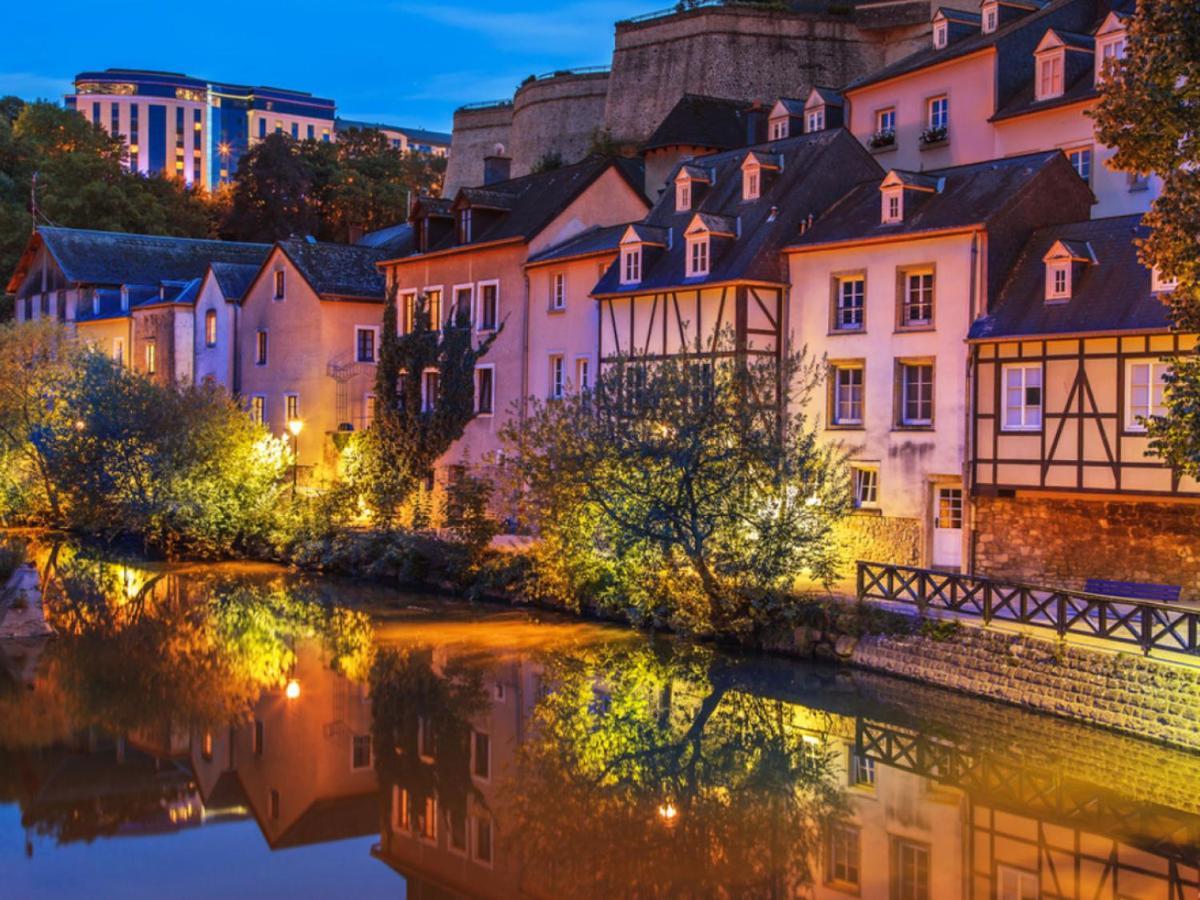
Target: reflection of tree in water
x,y
418,712
648,773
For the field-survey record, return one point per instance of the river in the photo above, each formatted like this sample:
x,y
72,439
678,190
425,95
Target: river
x,y
242,732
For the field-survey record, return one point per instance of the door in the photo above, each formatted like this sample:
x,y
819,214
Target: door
x,y
947,527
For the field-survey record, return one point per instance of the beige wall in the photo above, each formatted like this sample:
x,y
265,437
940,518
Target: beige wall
x,y
215,363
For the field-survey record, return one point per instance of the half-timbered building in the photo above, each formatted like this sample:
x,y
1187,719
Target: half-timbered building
x,y
1069,365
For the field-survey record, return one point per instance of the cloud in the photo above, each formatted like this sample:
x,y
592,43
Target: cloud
x,y
32,86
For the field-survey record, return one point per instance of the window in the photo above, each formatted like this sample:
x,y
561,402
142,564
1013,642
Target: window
x,y
1081,160
939,35
847,399
893,206
483,841
1161,285
458,832
631,265
916,307
429,391
257,738
151,357
751,177
273,804
815,120
1022,397
368,410
258,409
489,306
360,752
582,375
1016,884
260,348
779,128
910,870
1111,51
426,744
364,344
862,771
843,855
697,260
262,128
849,295
463,301
408,310
119,351
558,290
206,745
556,376
427,821
464,226
401,809
1146,390
916,394
949,508
279,275
865,483
1050,76
210,328
683,195
310,132
939,112
433,305
989,18
1137,181
291,407
1058,280
485,390
481,755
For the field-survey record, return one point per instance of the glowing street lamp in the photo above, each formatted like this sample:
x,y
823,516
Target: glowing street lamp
x,y
668,813
295,426
292,691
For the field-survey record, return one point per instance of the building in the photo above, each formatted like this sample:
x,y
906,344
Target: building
x,y
483,251
1019,77
131,295
414,140
885,287
1069,362
217,314
191,128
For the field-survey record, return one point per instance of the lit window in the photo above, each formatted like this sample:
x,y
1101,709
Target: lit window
x,y
1022,397
1081,160
1058,280
401,809
917,309
489,306
119,351
697,258
847,397
210,328
939,113
556,377
279,284
631,265
1016,884
151,357
206,745
893,206
364,345
368,410
843,855
910,870
916,394
426,744
260,348
408,308
558,291
433,306
848,303
1147,389
360,752
258,408
427,821
865,483
291,407
485,389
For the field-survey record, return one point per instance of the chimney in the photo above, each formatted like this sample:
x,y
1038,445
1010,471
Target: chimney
x,y
756,123
496,168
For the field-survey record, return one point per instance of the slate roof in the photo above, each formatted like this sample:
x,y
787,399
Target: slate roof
x,y
594,240
1025,100
110,257
792,105
969,195
532,201
700,121
338,270
394,240
829,96
817,169
1111,295
234,279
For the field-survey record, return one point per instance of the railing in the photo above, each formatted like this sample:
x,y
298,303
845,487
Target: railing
x,y
1147,624
689,5
484,104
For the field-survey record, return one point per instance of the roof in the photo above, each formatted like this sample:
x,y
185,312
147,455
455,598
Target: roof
x,y
791,105
1111,295
394,240
960,16
699,121
333,819
337,270
594,240
531,202
817,169
414,135
112,257
234,279
829,96
969,195
1025,100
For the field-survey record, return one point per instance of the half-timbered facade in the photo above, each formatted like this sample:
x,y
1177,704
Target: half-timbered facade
x,y
1069,366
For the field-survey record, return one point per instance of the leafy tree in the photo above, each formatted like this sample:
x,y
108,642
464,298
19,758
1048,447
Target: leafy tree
x,y
1149,110
675,491
273,193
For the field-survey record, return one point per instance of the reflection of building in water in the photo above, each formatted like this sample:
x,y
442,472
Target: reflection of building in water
x,y
303,764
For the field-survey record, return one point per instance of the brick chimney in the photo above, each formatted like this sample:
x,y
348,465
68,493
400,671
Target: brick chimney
x,y
496,168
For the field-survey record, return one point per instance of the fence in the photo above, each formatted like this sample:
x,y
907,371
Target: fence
x,y
1147,624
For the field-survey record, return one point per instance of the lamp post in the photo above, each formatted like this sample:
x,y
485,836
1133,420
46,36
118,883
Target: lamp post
x,y
295,426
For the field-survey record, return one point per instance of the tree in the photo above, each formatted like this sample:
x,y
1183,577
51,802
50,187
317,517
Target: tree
x,y
675,491
425,397
273,194
1149,110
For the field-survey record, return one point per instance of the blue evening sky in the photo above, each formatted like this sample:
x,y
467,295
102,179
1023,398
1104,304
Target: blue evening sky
x,y
408,62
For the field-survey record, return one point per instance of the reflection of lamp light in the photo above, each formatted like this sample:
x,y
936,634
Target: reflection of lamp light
x,y
292,691
667,812
295,426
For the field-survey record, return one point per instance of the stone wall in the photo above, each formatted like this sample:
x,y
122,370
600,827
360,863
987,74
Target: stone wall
x,y
888,539
1063,542
479,131
1129,694
560,114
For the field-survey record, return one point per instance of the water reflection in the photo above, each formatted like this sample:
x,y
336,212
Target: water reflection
x,y
487,754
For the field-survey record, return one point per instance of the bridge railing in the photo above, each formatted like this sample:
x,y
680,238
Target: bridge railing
x,y
1148,624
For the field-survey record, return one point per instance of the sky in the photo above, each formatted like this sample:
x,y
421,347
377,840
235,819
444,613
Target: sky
x,y
406,62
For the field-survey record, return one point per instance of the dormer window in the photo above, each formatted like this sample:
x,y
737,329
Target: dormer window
x,y
1064,262
991,16
697,255
1058,280
778,128
893,205
631,265
683,196
1110,45
940,35
1050,74
751,182
464,226
815,120
1161,285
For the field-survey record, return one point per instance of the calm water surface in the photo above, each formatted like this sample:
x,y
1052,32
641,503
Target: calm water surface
x,y
223,732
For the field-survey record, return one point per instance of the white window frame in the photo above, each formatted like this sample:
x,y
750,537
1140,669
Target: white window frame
x,y
891,205
287,401
1058,280
440,290
845,828
917,276
258,409
475,857
210,316
583,373
374,345
1021,881
1050,74
1160,285
401,813
1111,46
857,396
1084,152
151,356
991,17
751,182
698,256
1029,415
631,264
406,304
935,119
262,347
479,291
429,404
840,281
1155,406
558,291
814,120
454,304
902,372
489,367
888,112
940,35
557,387
475,733
464,225
859,480
683,194
779,128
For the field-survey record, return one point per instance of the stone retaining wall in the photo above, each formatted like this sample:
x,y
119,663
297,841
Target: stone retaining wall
x,y
891,539
1129,694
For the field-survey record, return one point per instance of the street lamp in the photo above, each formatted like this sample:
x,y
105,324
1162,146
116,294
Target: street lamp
x,y
295,426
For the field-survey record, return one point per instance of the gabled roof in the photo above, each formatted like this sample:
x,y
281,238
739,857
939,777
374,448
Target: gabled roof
x,y
693,173
716,123
641,233
234,279
818,168
828,96
437,207
588,243
1111,295
763,159
1057,37
337,270
789,106
713,224
917,181
112,257
958,16
1074,250
969,195
1025,101
395,239
485,198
